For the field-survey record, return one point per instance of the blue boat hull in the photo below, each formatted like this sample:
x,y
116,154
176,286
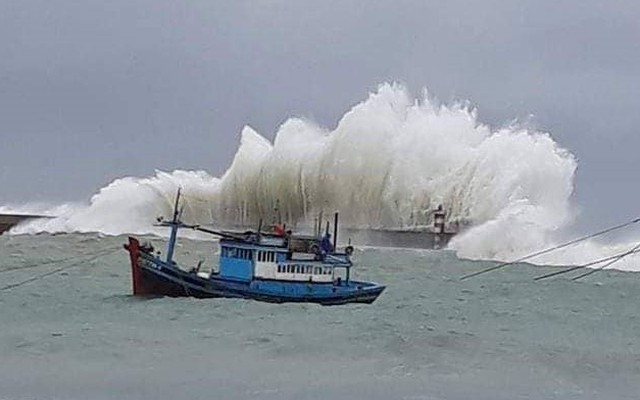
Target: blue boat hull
x,y
177,283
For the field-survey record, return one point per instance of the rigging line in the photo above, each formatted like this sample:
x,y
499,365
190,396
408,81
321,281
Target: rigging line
x,y
593,271
564,271
60,269
550,249
39,264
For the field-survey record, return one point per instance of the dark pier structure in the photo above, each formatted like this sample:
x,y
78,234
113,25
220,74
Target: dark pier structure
x,y
413,239
8,221
433,237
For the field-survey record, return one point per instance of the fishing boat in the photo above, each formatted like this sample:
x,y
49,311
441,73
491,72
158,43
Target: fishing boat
x,y
273,266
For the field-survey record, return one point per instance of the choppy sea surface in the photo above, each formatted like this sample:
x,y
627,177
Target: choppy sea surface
x,y
72,330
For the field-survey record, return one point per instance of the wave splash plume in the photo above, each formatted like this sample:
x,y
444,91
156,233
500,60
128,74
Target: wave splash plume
x,y
389,161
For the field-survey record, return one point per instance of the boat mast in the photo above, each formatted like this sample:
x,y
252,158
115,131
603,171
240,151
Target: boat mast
x,y
174,230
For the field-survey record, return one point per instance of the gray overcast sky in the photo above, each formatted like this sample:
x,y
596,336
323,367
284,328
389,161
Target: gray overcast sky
x,y
94,90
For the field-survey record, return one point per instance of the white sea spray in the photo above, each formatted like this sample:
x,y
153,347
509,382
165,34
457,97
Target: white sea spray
x,y
389,162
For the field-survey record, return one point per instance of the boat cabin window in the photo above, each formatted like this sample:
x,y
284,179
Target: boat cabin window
x,y
303,269
230,252
266,256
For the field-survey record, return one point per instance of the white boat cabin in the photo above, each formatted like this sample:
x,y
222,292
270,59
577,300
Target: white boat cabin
x,y
271,263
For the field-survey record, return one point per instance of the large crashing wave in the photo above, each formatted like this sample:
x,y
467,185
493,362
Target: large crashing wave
x,y
389,162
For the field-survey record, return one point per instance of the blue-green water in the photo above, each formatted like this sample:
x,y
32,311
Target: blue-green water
x,y
79,334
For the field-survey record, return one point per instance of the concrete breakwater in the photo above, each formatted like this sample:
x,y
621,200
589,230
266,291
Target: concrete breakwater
x,y
8,221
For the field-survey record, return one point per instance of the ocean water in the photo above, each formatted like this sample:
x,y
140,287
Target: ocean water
x,y
71,330
77,333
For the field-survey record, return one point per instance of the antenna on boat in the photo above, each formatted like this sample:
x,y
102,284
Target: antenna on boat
x,y
259,225
315,226
335,231
278,212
